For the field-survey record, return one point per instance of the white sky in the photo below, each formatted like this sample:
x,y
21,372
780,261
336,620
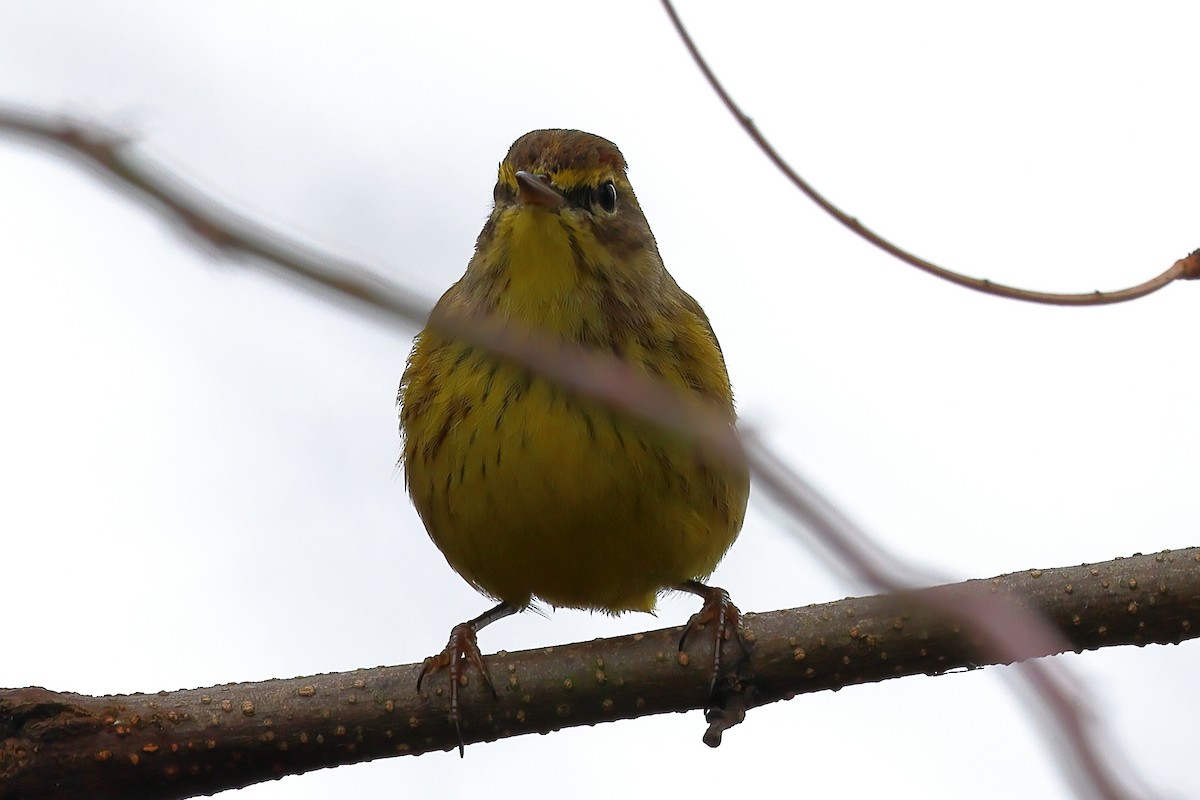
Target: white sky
x,y
199,482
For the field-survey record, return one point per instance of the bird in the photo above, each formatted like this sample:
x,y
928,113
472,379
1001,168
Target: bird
x,y
533,491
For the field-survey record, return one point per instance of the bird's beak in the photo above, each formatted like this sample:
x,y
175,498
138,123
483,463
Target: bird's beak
x,y
535,190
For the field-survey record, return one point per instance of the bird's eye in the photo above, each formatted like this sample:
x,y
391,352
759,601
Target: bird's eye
x,y
606,196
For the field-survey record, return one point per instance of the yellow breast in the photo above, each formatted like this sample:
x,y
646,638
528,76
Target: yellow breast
x,y
529,491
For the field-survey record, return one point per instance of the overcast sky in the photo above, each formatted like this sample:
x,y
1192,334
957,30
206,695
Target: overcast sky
x,y
199,474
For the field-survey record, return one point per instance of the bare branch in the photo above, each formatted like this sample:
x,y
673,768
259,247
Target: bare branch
x,y
198,741
106,154
1184,269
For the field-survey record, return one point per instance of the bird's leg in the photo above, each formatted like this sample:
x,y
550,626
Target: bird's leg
x,y
723,620
463,648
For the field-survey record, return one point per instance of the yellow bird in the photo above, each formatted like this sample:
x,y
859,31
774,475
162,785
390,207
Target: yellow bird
x,y
529,489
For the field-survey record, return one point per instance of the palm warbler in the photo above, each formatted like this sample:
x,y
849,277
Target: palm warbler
x,y
532,491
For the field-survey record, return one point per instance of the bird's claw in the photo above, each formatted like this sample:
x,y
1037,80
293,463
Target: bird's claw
x,y
462,649
722,617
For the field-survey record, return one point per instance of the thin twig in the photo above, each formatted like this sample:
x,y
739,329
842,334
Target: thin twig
x,y
1184,269
104,152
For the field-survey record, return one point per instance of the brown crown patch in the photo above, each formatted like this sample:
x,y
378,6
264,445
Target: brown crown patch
x,y
558,150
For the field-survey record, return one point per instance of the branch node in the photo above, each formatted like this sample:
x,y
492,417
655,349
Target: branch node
x,y
1189,266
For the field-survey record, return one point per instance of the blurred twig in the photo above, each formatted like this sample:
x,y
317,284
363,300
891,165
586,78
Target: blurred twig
x,y
179,744
1010,633
597,375
107,155
1187,268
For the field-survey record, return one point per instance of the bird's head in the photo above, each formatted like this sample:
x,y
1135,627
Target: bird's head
x,y
577,175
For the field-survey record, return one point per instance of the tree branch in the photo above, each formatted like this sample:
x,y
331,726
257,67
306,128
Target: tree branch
x,y
189,742
1186,268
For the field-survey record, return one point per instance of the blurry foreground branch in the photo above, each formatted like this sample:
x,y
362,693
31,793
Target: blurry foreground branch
x,y
191,742
1001,632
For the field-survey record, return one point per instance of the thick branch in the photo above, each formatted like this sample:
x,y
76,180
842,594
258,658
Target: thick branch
x,y
184,743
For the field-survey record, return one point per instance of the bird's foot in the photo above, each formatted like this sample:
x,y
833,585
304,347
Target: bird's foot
x,y
461,650
722,621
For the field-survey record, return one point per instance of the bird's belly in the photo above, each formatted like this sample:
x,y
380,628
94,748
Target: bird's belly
x,y
533,492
